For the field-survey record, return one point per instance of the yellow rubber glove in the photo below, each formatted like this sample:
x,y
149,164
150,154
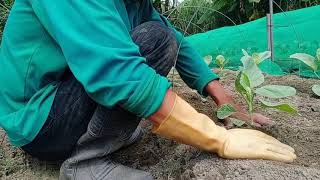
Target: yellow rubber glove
x,y
184,124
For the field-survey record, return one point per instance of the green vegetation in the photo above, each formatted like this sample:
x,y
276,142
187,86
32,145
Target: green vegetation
x,y
313,63
227,110
194,16
248,84
208,59
257,57
5,6
221,62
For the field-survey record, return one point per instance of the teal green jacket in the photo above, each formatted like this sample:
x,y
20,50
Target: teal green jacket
x,y
43,38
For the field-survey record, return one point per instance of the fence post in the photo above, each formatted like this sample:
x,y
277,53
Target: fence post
x,y
270,30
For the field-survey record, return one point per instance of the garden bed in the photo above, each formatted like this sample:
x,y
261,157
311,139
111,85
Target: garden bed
x,y
166,159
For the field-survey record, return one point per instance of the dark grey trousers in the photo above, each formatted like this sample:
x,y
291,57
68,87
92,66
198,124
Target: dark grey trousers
x,y
79,127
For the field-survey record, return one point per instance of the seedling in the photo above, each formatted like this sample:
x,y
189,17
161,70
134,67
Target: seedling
x,y
248,83
256,57
207,59
221,63
312,63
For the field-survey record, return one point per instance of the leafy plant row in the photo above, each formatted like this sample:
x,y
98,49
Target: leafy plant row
x,y
249,82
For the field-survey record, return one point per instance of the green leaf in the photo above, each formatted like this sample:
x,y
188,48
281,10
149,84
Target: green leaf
x,y
276,91
225,111
255,58
307,59
242,85
263,56
220,61
204,17
219,4
316,89
252,71
237,122
245,60
207,59
318,54
279,106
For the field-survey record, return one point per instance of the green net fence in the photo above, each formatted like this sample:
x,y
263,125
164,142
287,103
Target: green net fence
x,y
294,32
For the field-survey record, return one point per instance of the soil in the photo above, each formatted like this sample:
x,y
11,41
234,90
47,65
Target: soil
x,y
166,159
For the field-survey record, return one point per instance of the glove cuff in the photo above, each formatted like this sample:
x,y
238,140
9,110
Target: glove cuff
x,y
185,125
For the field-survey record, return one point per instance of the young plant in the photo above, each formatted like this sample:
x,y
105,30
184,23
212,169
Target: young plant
x,y
208,59
256,57
221,63
312,63
248,83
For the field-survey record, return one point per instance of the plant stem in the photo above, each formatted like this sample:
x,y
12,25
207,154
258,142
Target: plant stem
x,y
221,71
251,119
251,111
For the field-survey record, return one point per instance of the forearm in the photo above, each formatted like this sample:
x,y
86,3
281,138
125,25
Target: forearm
x,y
165,109
214,89
218,93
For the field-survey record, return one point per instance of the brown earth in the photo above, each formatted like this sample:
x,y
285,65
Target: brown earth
x,y
166,159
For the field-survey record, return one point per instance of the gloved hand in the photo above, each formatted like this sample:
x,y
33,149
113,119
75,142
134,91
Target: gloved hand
x,y
253,144
184,124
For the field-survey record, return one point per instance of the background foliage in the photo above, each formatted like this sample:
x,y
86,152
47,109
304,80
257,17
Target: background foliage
x,y
201,15
204,15
5,6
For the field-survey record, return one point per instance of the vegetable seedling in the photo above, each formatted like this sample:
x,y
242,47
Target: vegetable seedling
x,y
221,63
207,59
256,57
312,63
248,83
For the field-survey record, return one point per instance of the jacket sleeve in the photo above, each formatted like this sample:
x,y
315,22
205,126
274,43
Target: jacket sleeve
x,y
190,65
98,48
